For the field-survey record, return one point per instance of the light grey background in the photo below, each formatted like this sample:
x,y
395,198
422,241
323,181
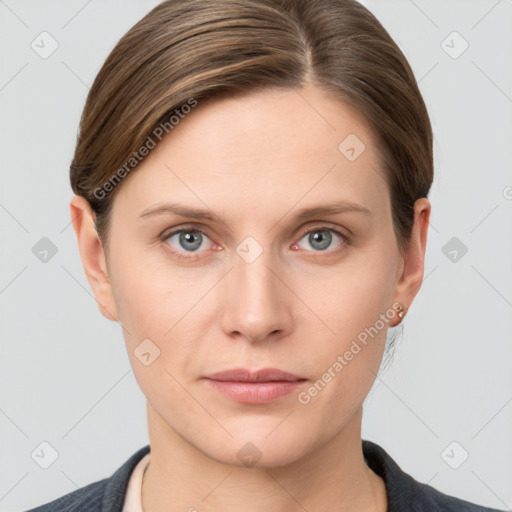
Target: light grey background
x,y
65,377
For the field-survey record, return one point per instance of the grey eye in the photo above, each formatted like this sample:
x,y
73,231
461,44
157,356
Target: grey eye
x,y
188,240
320,239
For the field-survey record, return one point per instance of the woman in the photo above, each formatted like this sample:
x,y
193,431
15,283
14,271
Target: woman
x,y
251,183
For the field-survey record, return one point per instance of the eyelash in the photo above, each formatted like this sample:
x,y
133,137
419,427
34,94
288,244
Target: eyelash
x,y
195,256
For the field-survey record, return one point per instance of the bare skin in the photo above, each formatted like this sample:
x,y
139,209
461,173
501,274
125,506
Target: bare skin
x,y
254,163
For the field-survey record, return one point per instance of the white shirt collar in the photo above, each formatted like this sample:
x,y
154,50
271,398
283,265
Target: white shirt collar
x,y
133,497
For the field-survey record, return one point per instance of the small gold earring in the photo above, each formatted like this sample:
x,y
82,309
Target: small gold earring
x,y
401,313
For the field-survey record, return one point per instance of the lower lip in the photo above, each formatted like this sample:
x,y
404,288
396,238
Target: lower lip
x,y
255,392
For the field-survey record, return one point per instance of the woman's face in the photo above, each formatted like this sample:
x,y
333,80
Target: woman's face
x,y
258,284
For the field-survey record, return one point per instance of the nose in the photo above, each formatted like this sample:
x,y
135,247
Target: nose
x,y
258,304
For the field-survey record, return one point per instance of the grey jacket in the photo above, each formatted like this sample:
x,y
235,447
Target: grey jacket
x,y
404,493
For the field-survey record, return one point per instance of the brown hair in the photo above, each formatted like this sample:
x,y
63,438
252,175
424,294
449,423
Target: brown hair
x,y
186,51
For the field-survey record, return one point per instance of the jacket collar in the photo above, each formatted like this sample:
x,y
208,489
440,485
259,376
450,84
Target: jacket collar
x,y
401,489
117,484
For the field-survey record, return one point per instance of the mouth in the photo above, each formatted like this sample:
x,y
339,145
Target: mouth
x,y
254,387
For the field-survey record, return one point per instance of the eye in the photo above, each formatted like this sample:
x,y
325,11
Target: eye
x,y
321,238
186,240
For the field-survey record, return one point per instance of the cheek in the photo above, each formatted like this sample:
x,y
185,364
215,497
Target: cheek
x,y
356,304
149,299
353,298
153,310
166,307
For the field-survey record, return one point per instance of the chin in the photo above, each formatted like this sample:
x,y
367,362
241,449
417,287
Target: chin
x,y
254,448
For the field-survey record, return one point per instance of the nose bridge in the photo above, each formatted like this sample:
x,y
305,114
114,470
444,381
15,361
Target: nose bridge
x,y
257,304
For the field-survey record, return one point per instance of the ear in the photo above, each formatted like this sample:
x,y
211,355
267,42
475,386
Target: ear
x,y
411,278
93,256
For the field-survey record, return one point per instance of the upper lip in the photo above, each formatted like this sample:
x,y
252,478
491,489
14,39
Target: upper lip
x,y
246,375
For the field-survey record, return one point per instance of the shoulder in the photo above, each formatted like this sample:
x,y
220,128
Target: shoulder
x,y
101,496
405,494
85,498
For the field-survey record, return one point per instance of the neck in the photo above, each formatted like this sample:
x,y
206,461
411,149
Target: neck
x,y
334,477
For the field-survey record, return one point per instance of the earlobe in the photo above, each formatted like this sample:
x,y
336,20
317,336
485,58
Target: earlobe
x,y
411,279
93,256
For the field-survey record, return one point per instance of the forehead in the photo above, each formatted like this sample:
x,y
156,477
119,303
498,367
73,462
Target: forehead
x,y
271,145
285,121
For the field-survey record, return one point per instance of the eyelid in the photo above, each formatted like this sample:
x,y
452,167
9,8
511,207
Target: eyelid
x,y
167,233
315,225
185,227
324,226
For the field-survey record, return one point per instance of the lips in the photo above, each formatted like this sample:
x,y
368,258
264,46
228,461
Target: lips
x,y
254,387
264,375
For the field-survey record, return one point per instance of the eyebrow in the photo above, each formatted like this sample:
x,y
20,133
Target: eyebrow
x,y
304,214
